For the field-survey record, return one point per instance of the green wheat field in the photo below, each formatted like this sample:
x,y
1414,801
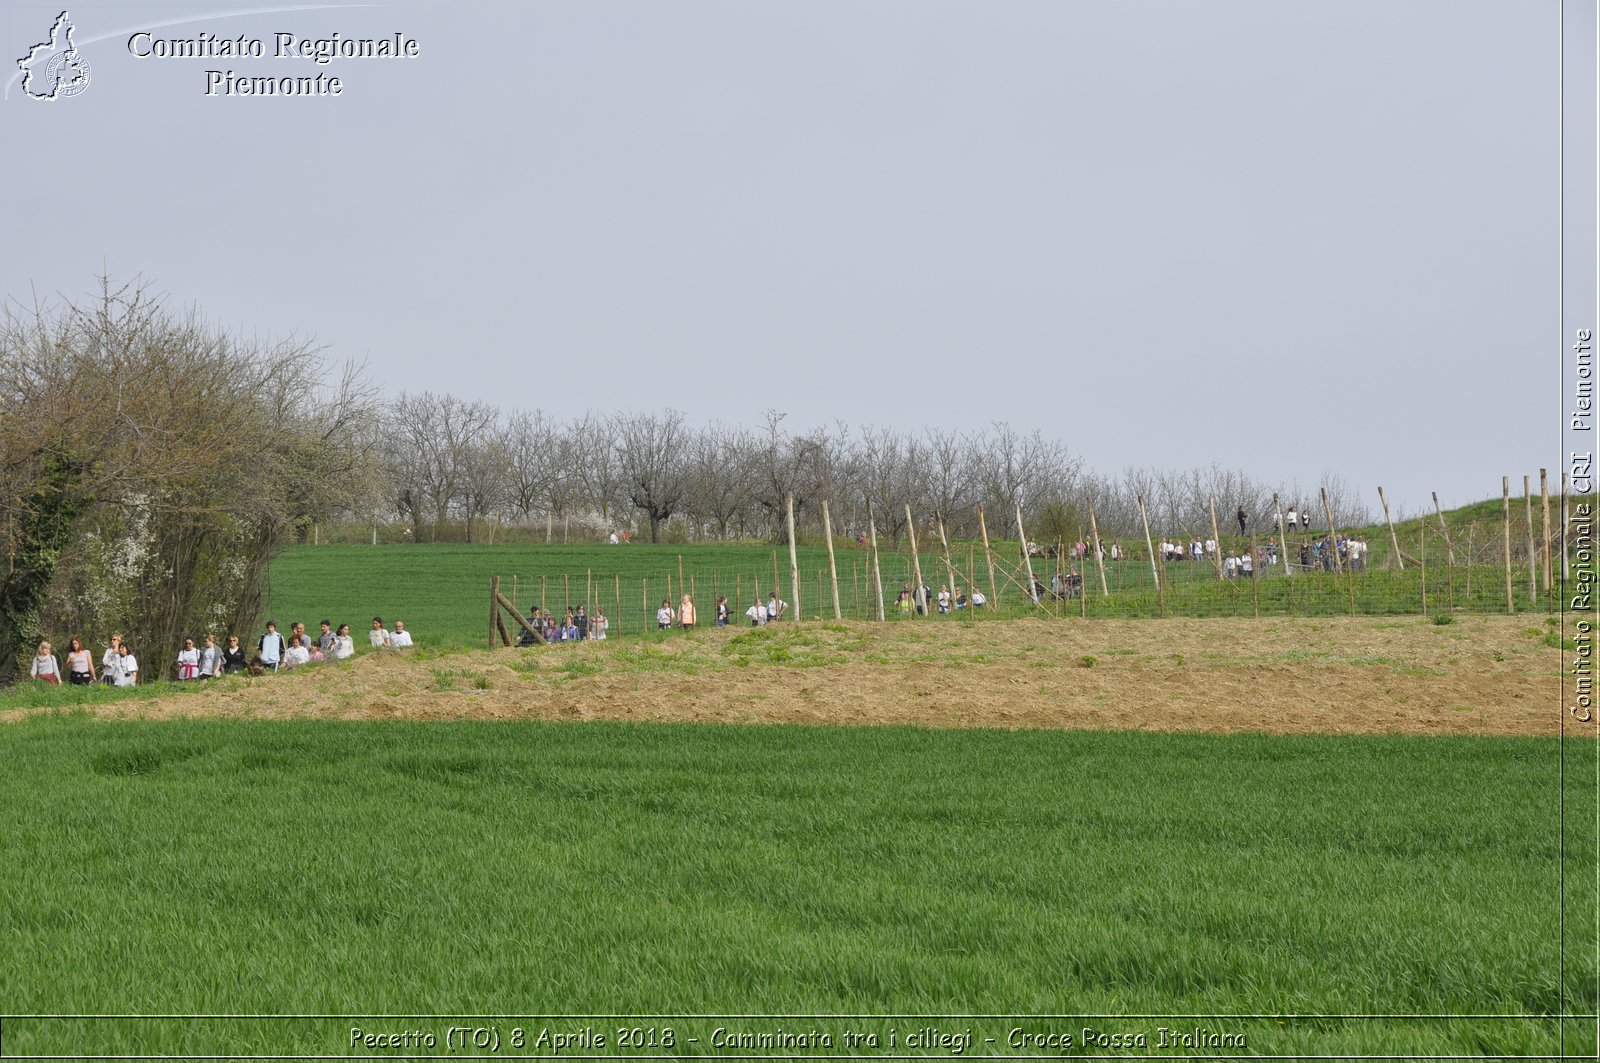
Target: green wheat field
x,y
1308,896
295,868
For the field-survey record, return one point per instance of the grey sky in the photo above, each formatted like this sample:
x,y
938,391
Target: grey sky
x,y
1283,237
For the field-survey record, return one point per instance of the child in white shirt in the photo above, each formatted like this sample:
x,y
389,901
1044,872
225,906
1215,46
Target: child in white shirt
x,y
128,670
45,668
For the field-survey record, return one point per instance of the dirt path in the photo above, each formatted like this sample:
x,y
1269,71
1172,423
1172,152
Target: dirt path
x,y
1479,675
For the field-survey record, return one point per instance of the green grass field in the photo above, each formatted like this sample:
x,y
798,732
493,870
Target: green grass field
x,y
221,868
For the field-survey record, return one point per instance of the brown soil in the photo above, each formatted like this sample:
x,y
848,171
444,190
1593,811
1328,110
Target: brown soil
x,y
1479,675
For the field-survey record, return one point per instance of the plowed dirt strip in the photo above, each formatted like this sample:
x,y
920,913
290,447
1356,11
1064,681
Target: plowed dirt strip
x,y
1478,675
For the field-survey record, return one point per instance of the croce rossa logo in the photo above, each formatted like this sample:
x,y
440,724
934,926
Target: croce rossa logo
x,y
54,69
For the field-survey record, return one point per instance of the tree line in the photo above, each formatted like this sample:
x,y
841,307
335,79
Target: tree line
x,y
449,466
152,463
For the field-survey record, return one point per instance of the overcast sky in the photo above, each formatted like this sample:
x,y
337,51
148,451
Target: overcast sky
x,y
1282,237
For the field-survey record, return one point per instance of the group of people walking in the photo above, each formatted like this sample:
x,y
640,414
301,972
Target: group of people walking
x,y
119,666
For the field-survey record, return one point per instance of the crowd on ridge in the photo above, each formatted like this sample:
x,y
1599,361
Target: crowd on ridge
x,y
578,626
119,666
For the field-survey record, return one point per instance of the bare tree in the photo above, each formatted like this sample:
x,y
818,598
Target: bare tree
x,y
718,460
531,467
787,466
652,451
594,460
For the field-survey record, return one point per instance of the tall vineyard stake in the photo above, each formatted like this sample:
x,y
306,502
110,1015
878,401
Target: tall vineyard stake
x,y
1060,580
1544,496
877,571
1449,558
988,559
1566,529
918,599
855,588
1216,537
1505,505
1395,560
794,557
1533,556
833,565
588,590
494,608
1099,554
1422,561
1027,558
949,569
1283,540
972,578
1333,544
1149,544
1255,576
1470,528
644,599
1083,584
1449,546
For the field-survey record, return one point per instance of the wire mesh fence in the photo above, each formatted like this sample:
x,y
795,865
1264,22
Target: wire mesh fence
x,y
1422,568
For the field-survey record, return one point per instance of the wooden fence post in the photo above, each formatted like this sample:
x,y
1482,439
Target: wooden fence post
x,y
949,568
877,571
1566,525
1533,565
1149,544
1333,544
1395,559
794,557
1255,577
1422,561
1505,500
1216,535
1027,559
988,559
1544,495
833,566
494,607
918,599
1449,558
1283,540
1099,554
1470,529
